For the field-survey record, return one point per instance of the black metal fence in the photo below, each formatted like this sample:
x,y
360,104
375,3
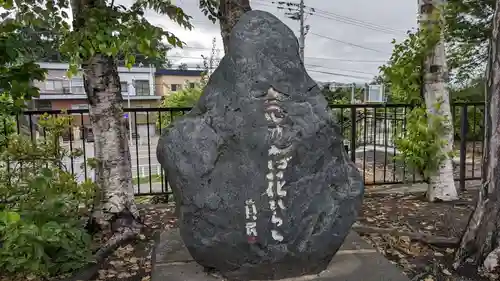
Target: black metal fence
x,y
370,131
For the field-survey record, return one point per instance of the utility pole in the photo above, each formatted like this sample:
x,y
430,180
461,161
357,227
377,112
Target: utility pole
x,y
302,39
353,92
129,115
297,12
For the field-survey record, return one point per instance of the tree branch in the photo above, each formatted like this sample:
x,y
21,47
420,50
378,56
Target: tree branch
x,y
122,236
438,241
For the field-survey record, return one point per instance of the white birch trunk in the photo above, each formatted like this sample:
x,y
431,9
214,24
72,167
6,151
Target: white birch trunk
x,y
480,243
442,183
115,197
114,204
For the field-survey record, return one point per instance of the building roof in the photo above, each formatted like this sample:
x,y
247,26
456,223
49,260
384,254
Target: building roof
x,y
178,72
147,69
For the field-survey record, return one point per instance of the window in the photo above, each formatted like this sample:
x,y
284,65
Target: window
x,y
124,86
80,106
191,85
53,85
77,86
375,93
141,87
175,87
44,105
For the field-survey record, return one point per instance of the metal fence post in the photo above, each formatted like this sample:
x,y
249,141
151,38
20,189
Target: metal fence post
x,y
353,133
463,145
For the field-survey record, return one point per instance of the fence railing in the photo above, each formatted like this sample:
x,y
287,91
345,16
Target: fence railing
x,y
370,131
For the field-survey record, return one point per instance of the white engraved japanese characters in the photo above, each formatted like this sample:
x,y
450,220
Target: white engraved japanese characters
x,y
278,161
251,216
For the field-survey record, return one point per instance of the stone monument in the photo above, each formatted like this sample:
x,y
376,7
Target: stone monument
x,y
263,185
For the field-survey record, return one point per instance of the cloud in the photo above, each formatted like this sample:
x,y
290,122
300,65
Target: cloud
x,y
369,24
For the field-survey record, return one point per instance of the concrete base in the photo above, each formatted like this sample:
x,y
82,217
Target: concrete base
x,y
355,261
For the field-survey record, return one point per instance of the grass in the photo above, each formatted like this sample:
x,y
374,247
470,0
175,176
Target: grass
x,y
154,178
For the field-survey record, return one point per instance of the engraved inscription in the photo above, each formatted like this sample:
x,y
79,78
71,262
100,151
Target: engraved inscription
x,y
251,216
278,161
250,210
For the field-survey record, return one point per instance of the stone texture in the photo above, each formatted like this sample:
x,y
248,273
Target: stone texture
x,y
355,261
264,187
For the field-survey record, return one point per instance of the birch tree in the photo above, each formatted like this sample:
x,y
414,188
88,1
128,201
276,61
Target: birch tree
x,y
100,34
416,74
437,101
102,30
480,243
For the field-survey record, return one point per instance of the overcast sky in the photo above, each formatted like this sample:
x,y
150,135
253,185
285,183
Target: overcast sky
x,y
350,38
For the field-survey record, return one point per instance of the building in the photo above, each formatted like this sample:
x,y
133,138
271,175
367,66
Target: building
x,y
172,80
60,92
142,87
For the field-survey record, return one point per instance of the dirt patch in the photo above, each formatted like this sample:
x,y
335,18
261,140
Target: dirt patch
x,y
410,213
132,262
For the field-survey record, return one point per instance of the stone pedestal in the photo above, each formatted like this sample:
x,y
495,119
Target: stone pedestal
x,y
355,261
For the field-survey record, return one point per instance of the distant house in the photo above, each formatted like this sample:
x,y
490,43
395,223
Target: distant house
x,y
172,80
141,87
58,92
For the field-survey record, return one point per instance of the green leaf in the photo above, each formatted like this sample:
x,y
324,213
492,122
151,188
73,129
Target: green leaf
x,y
9,217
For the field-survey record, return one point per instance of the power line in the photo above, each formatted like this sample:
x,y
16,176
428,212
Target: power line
x,y
349,70
349,43
348,60
339,74
318,58
299,16
354,24
340,18
307,64
357,22
310,70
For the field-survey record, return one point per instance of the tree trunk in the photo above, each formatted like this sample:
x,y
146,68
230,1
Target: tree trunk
x,y
479,245
114,205
115,198
442,183
230,13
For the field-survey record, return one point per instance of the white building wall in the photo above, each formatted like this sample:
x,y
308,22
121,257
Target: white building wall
x,y
57,79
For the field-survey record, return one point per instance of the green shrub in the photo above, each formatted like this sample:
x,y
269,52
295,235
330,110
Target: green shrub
x,y
185,98
422,145
7,128
43,208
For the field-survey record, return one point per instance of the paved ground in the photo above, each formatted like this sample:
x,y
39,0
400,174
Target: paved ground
x,y
414,188
143,158
355,261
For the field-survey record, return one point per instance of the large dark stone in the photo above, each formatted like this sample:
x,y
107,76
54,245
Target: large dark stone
x,y
260,149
